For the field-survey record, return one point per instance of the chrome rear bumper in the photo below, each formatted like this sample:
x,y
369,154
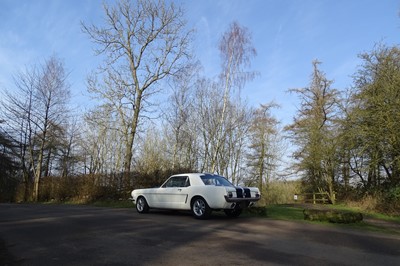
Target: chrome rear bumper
x,y
241,199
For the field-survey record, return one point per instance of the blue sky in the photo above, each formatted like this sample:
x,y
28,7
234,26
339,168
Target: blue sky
x,y
288,35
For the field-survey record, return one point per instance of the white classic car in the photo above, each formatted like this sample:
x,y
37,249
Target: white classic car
x,y
200,193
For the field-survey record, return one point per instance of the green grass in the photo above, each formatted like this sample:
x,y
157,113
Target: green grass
x,y
295,213
287,212
282,212
369,214
384,217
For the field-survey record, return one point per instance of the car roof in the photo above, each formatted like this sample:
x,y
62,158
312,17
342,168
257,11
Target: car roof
x,y
195,179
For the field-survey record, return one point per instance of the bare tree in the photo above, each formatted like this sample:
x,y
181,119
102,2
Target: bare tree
x,y
144,42
179,115
8,182
262,158
205,121
101,145
232,157
153,155
70,157
236,52
33,112
17,114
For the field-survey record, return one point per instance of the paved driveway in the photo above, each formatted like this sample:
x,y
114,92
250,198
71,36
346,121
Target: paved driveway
x,y
81,235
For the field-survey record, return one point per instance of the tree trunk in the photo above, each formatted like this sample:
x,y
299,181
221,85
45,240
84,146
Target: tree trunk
x,y
131,138
38,174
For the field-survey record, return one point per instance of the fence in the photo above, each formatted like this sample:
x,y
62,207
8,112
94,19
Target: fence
x,y
314,198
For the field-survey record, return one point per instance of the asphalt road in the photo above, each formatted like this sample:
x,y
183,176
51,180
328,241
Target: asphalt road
x,y
81,235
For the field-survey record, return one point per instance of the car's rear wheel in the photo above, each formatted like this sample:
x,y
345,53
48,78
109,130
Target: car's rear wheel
x,y
200,208
233,212
141,205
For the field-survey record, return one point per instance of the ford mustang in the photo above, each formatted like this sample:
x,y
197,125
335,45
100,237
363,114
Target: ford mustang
x,y
197,192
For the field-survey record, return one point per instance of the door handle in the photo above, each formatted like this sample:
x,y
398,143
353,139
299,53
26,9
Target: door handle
x,y
179,189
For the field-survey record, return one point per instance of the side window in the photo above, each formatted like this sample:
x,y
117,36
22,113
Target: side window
x,y
208,181
169,183
187,182
181,181
177,181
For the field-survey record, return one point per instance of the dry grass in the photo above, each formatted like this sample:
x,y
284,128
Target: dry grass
x,y
279,192
375,203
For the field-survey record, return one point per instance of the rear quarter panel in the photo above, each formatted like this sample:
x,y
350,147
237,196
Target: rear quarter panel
x,y
214,195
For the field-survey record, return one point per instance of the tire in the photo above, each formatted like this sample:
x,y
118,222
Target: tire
x,y
200,208
233,212
141,205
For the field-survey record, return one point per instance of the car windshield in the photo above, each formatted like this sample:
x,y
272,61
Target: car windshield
x,y
215,180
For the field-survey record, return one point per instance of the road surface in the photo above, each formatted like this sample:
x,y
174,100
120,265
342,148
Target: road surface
x,y
80,235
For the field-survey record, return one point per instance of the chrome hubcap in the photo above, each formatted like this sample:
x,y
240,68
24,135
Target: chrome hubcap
x,y
199,207
140,204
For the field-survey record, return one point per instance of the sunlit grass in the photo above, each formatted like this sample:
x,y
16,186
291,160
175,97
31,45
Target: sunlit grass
x,y
295,213
282,212
369,214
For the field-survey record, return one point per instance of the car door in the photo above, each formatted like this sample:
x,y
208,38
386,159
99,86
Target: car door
x,y
173,194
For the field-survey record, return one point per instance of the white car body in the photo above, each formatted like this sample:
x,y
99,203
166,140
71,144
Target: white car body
x,y
200,193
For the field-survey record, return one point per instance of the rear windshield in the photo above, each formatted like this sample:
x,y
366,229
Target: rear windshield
x,y
215,180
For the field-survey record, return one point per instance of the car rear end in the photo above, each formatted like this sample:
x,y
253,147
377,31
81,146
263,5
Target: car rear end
x,y
241,197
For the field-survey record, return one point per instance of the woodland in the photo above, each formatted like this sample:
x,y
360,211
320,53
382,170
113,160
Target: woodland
x,y
346,141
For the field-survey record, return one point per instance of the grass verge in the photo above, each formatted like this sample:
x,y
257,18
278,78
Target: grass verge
x,y
372,221
98,203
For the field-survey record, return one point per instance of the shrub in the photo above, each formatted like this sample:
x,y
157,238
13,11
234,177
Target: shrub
x,y
8,187
279,192
393,194
389,202
383,201
93,187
